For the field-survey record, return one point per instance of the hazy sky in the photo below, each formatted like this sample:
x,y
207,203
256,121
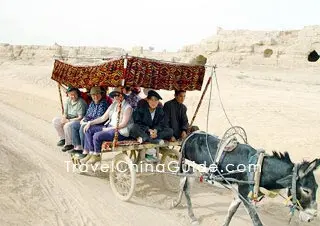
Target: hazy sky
x,y
165,24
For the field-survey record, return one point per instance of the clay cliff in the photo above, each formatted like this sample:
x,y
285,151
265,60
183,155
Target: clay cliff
x,y
274,48
285,49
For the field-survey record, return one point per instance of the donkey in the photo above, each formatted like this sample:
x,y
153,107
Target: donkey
x,y
276,173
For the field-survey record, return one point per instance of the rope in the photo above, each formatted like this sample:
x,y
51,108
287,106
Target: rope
x,y
257,177
218,88
294,183
61,102
213,71
195,176
295,202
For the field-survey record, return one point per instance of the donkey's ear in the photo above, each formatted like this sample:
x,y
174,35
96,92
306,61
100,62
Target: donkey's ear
x,y
312,166
285,182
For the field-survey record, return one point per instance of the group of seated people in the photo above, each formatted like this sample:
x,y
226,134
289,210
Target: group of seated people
x,y
84,127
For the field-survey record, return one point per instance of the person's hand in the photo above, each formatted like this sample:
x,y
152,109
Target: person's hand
x,y
64,120
107,129
153,134
86,127
173,139
183,135
82,122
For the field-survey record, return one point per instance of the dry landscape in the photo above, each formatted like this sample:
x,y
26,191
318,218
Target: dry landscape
x,y
277,106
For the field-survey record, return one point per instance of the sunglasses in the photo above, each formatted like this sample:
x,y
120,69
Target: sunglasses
x,y
116,95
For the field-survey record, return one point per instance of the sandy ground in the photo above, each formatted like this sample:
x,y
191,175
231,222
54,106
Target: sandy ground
x,y
279,109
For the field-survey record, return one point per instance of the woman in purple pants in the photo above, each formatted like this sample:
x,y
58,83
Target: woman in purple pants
x,y
95,134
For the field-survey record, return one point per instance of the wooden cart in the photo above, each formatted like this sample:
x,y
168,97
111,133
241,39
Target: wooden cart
x,y
140,72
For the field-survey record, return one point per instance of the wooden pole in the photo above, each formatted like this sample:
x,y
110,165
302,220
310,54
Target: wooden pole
x,y
60,95
199,104
116,133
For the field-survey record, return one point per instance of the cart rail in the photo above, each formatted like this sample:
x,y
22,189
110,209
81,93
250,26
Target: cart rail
x,y
134,145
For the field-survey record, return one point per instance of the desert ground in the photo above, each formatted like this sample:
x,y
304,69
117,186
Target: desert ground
x,y
278,108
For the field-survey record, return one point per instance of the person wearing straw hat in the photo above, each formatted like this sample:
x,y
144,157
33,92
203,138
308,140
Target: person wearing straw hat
x,y
97,108
96,133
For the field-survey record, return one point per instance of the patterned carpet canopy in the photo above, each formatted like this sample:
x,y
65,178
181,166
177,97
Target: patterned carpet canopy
x,y
141,72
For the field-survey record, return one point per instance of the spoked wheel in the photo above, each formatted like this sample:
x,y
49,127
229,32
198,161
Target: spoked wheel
x,y
170,161
236,131
122,177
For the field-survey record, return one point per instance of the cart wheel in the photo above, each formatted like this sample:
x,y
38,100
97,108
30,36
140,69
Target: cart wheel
x,y
122,177
170,161
133,155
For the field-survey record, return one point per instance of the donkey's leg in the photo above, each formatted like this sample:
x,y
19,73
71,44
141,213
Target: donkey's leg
x,y
175,203
232,210
244,191
186,189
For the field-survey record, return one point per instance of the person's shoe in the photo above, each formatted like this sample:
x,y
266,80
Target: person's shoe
x,y
85,159
140,140
61,142
80,155
67,148
72,151
94,159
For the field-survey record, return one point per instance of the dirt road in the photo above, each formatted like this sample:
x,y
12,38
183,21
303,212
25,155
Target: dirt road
x,y
36,188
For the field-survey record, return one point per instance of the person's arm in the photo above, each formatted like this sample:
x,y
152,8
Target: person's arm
x,y
161,121
65,113
82,121
139,118
126,117
65,109
88,114
75,119
101,119
167,112
184,120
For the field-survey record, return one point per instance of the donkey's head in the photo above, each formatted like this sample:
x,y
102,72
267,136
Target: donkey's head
x,y
303,187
